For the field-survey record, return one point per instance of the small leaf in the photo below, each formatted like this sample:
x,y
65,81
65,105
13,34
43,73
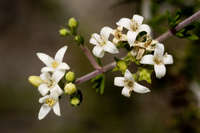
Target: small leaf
x,y
98,83
145,74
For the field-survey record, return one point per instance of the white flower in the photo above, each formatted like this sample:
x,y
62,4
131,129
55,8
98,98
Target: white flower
x,y
129,84
158,60
118,35
102,43
55,65
50,83
134,26
49,102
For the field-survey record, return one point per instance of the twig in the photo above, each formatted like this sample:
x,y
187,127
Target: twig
x,y
161,38
90,57
181,25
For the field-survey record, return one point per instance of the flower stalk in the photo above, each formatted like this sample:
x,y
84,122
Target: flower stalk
x,y
161,38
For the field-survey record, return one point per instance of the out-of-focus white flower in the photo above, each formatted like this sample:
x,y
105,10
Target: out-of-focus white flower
x,y
118,35
49,102
129,84
134,26
102,43
50,83
195,87
55,65
159,59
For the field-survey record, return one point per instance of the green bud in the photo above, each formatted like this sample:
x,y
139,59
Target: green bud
x,y
35,80
74,101
122,65
73,23
64,32
145,74
70,76
79,39
70,88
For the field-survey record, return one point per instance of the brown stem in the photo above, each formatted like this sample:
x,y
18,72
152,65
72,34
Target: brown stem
x,y
90,57
161,38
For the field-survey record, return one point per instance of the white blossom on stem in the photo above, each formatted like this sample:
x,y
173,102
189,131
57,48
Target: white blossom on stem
x,y
134,26
118,35
49,102
102,43
50,83
55,65
159,60
129,84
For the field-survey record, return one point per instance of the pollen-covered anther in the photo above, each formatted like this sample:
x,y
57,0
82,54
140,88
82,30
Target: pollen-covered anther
x,y
54,64
50,102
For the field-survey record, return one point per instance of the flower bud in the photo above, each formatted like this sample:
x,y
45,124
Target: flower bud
x,y
64,32
70,88
79,39
75,101
122,65
72,23
35,80
70,76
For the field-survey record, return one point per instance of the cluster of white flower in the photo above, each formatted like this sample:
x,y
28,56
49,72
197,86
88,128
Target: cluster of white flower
x,y
50,76
134,26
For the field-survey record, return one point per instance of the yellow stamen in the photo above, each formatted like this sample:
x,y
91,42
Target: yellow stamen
x,y
129,83
50,102
54,64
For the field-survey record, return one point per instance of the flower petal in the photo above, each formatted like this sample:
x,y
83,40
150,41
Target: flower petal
x,y
63,66
159,50
140,89
44,110
46,59
131,37
98,51
147,59
60,54
160,70
139,19
95,39
56,90
168,59
125,22
128,75
126,92
43,89
47,69
105,32
45,76
144,27
111,48
56,109
119,81
42,99
58,75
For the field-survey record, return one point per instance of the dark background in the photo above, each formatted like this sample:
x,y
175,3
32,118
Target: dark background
x,y
30,26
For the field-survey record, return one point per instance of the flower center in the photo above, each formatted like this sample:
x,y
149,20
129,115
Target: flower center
x,y
129,83
158,60
118,35
102,42
54,64
134,25
50,102
50,83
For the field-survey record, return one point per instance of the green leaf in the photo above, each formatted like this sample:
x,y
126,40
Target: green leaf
x,y
98,83
193,37
145,74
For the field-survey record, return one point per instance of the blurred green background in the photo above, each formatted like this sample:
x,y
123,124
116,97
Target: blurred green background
x,y
30,26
